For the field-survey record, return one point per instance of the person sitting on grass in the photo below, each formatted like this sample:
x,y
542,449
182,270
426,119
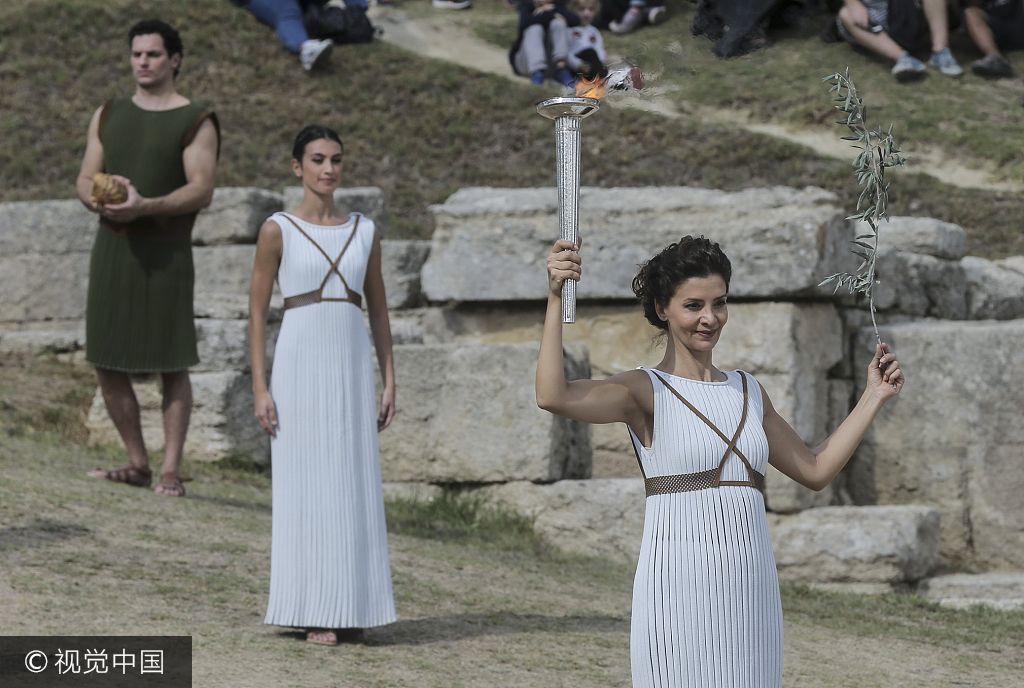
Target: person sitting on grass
x,y
586,46
867,23
285,17
542,43
994,26
634,15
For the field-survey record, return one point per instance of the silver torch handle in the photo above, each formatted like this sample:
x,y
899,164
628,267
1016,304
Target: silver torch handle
x,y
567,165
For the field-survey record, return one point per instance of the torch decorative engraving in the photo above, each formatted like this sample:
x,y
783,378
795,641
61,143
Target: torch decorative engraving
x,y
567,113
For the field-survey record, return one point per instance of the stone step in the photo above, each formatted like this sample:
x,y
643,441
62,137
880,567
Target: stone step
x,y
953,439
468,414
996,589
782,241
876,546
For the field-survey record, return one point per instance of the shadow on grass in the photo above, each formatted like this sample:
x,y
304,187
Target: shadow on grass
x,y
461,626
39,533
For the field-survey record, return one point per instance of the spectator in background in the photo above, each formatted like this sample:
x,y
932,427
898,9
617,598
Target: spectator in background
x,y
629,15
542,43
285,17
586,46
994,26
867,23
449,4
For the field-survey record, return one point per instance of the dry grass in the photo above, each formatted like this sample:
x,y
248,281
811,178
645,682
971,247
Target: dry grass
x,y
417,128
478,607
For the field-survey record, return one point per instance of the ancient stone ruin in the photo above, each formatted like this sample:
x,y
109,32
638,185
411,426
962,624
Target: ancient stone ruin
x,y
932,499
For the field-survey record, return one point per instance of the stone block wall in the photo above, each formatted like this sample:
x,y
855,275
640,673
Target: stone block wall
x,y
467,307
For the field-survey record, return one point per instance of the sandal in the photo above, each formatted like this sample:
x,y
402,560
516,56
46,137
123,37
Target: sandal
x,y
128,475
322,636
170,486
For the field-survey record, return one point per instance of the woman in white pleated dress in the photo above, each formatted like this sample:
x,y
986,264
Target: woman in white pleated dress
x,y
329,570
706,607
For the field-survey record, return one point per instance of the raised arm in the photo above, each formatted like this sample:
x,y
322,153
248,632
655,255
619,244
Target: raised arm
x,y
380,327
92,162
269,248
620,398
200,162
817,467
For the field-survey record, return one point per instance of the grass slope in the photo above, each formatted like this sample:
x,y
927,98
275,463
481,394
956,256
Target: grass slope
x,y
417,128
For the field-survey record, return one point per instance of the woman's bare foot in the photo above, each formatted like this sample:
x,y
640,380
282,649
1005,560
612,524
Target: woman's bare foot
x,y
322,636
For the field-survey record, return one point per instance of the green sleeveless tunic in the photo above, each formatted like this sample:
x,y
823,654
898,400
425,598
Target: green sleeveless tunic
x,y
139,309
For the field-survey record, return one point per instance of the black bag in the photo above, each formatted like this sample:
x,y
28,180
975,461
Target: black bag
x,y
907,25
340,23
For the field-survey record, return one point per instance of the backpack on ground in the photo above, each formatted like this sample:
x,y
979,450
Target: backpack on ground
x,y
342,24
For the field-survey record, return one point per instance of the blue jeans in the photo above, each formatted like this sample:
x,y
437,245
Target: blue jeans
x,y
285,16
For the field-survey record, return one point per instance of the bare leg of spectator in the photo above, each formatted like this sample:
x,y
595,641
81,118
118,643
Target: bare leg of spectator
x,y
979,31
935,13
993,65
880,43
177,409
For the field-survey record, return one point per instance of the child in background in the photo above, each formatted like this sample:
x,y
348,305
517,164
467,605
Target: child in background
x,y
542,44
586,46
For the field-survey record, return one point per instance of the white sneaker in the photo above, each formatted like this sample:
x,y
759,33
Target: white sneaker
x,y
313,51
452,4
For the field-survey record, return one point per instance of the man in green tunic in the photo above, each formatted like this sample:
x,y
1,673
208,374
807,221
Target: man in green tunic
x,y
163,150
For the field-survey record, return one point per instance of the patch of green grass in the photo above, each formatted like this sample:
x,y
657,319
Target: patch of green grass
x,y
43,396
460,516
420,129
905,616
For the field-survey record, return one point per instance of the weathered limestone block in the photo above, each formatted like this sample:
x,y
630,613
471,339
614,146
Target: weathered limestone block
x,y
46,227
222,422
368,200
789,347
469,414
920,285
223,274
583,516
923,235
53,336
953,439
224,344
235,215
996,589
876,544
781,240
401,262
993,290
40,286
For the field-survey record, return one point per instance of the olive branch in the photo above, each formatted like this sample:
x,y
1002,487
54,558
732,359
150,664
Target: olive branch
x,y
878,151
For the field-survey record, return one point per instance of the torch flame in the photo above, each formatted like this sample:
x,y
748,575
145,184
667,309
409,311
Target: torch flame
x,y
590,88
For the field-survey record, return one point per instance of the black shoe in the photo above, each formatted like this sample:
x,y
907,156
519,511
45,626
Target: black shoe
x,y
992,66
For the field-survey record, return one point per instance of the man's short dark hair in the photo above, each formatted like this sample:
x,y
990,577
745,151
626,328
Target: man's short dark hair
x,y
170,36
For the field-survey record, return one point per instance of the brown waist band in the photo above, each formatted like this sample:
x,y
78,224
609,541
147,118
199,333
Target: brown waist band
x,y
691,482
311,297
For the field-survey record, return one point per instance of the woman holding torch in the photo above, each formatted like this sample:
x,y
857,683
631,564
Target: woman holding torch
x,y
706,606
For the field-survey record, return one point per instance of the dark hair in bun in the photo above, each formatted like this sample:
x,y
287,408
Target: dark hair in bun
x,y
659,277
312,133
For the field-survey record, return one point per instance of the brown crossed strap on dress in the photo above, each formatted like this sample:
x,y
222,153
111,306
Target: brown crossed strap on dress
x,y
317,295
688,482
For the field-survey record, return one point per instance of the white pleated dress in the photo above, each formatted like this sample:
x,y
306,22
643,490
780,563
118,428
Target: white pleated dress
x,y
706,607
329,556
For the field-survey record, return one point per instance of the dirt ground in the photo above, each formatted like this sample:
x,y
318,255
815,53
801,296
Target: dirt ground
x,y
86,557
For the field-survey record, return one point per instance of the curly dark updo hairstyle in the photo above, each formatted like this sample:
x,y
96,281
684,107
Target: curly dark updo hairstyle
x,y
659,277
